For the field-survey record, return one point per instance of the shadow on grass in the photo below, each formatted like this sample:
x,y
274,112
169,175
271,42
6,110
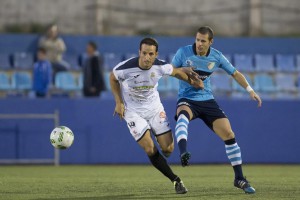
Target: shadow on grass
x,y
129,196
134,196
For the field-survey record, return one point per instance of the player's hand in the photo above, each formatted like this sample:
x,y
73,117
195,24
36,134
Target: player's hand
x,y
191,73
255,97
198,83
194,78
120,110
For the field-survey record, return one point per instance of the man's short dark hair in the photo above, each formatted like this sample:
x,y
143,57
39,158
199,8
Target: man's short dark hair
x,y
93,45
42,50
206,30
149,41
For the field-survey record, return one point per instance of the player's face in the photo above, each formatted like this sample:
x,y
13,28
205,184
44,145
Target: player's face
x,y
202,44
147,56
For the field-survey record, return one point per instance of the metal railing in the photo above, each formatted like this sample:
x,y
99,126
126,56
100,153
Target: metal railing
x,y
54,117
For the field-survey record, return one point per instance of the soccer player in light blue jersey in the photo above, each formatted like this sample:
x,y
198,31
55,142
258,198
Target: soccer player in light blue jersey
x,y
195,103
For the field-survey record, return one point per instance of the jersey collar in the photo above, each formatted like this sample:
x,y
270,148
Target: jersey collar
x,y
195,52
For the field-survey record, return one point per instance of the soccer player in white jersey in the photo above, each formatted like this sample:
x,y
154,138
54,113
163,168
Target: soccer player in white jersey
x,y
193,103
134,85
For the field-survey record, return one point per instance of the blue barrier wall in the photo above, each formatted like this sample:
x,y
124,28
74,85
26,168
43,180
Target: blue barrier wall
x,y
270,134
10,43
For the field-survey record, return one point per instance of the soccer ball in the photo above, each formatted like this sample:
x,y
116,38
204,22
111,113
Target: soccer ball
x,y
61,137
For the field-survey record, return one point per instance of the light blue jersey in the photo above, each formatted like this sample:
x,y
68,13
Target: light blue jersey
x,y
205,66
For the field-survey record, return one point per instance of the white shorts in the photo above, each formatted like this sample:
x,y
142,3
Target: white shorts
x,y
156,121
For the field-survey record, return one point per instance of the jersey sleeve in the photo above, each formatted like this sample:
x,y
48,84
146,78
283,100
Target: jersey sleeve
x,y
177,60
118,74
167,69
226,65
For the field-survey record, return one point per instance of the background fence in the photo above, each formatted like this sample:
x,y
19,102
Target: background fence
x,y
266,135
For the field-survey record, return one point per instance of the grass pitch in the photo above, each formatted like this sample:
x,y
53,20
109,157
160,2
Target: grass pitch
x,y
145,182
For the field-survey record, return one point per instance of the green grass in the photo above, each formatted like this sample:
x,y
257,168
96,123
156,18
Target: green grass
x,y
144,182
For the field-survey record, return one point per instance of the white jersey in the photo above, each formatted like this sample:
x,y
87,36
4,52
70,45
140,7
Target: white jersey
x,y
139,86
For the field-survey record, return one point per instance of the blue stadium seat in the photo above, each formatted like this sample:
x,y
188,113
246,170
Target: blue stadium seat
x,y
238,88
285,82
298,82
286,95
5,81
66,81
107,80
264,63
221,82
22,60
240,95
111,60
267,95
72,60
4,61
22,80
243,62
298,62
285,63
80,80
264,83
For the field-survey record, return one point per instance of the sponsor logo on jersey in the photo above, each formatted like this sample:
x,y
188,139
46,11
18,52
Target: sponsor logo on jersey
x,y
189,63
202,74
143,87
137,82
152,75
135,76
211,65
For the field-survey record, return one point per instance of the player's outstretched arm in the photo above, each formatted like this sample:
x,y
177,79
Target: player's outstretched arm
x,y
116,90
240,78
192,80
189,71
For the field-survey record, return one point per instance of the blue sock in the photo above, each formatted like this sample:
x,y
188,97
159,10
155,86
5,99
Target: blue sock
x,y
181,132
182,146
233,152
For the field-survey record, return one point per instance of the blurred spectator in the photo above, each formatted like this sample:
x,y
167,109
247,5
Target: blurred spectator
x,y
93,80
55,47
42,74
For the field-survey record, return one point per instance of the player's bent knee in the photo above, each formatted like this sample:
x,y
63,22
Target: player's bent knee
x,y
229,134
150,151
171,148
168,150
